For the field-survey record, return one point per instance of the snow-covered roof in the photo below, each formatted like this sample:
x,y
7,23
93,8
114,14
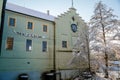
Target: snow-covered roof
x,y
30,12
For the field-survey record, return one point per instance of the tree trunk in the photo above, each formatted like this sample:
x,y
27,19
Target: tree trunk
x,y
104,43
106,63
106,56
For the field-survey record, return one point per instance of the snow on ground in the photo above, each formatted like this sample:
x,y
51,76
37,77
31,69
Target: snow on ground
x,y
99,76
112,76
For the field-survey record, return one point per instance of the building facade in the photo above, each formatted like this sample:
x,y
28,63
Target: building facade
x,y
35,42
69,27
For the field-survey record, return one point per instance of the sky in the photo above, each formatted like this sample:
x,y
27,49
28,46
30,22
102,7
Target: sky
x,y
85,8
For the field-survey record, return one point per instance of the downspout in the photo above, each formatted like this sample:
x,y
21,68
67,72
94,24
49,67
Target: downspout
x,y
2,23
54,51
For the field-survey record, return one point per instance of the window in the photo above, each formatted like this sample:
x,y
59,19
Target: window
x,y
28,45
10,43
11,21
44,46
30,25
64,44
44,28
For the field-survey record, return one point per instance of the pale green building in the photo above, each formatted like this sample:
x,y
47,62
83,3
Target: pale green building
x,y
34,42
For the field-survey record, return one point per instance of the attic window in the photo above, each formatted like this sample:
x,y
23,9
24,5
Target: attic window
x,y
73,18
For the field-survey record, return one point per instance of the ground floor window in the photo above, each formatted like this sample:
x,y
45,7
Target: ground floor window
x,y
44,46
28,45
9,43
64,44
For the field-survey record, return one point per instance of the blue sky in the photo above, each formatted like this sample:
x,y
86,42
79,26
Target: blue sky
x,y
84,8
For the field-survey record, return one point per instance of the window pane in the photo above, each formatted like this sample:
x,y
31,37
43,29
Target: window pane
x,y
44,46
30,25
64,44
28,45
12,22
9,43
44,28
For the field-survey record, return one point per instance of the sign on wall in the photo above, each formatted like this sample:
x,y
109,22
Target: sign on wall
x,y
30,35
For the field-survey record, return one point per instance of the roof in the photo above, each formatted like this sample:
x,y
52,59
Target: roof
x,y
30,12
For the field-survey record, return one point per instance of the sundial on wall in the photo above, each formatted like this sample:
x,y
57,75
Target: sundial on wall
x,y
74,27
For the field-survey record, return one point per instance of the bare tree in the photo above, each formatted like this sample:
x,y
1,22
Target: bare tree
x,y
102,28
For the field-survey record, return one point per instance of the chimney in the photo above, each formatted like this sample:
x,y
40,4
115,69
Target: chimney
x,y
48,12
